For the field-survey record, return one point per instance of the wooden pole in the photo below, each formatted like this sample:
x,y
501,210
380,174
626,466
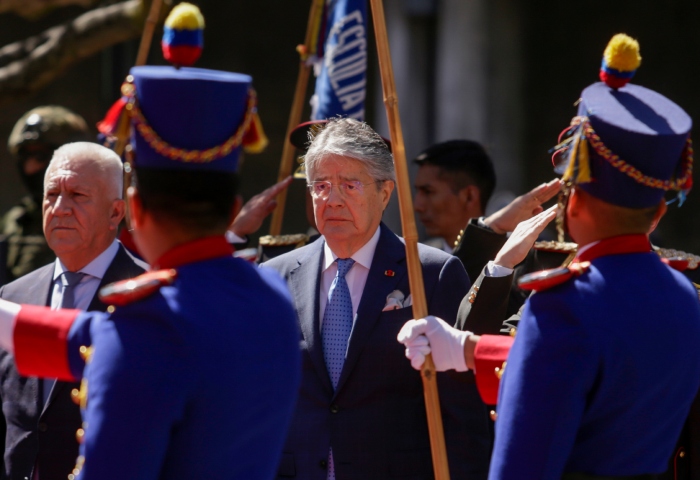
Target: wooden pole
x,y
148,29
410,234
295,116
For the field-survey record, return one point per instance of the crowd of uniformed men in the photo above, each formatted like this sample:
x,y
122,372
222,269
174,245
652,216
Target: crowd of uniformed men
x,y
173,359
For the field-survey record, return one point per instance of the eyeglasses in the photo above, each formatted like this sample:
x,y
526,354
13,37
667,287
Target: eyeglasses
x,y
349,189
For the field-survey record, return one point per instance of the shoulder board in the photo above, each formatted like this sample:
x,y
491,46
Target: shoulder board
x,y
539,281
678,256
298,239
128,291
559,247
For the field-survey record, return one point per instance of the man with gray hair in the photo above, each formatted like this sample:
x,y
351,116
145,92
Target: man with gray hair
x,y
82,208
361,412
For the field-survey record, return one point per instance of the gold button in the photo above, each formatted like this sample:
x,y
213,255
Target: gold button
x,y
85,353
476,288
493,415
512,332
110,309
682,453
75,396
79,435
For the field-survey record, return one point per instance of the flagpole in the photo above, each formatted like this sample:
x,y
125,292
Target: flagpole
x,y
410,234
295,115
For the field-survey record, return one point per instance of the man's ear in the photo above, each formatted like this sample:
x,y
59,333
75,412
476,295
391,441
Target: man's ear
x,y
660,212
135,208
386,188
575,203
470,198
117,213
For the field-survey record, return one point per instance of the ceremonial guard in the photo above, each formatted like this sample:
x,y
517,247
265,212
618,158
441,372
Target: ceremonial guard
x,y
592,387
194,370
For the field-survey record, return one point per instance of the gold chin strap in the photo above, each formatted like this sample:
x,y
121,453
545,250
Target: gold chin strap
x,y
562,201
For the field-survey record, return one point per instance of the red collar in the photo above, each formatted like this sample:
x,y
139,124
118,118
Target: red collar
x,y
637,243
194,251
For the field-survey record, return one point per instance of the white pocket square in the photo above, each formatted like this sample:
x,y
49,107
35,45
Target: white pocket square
x,y
396,300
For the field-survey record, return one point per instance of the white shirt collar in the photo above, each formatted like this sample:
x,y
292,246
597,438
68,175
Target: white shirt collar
x,y
363,256
97,268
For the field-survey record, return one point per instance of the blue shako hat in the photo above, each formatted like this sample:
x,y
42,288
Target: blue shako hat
x,y
628,145
189,118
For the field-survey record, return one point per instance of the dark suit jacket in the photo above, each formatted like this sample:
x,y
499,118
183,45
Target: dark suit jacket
x,y
476,246
375,420
32,435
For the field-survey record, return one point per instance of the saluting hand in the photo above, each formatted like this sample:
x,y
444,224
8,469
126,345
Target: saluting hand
x,y
250,218
523,238
523,207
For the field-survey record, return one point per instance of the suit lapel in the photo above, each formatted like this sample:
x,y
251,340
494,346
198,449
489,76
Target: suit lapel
x,y
39,291
390,254
305,284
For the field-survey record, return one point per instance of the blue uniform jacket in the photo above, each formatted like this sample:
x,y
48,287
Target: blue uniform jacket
x,y
196,381
602,373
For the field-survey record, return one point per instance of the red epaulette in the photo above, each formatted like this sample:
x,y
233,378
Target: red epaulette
x,y
539,281
676,263
128,291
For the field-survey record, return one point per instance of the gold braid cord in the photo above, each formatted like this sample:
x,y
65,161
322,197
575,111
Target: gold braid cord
x,y
180,154
681,183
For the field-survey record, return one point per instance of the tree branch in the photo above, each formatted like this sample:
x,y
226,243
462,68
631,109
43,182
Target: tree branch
x,y
33,9
29,65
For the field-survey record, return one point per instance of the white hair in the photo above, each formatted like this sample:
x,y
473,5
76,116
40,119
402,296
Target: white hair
x,y
108,162
350,138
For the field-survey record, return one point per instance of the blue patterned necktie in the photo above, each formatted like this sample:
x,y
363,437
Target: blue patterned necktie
x,y
337,325
337,321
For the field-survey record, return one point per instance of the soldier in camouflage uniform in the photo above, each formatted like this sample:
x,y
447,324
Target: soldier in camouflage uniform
x,y
33,139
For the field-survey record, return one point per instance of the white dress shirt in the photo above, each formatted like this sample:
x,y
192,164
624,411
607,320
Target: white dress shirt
x,y
356,277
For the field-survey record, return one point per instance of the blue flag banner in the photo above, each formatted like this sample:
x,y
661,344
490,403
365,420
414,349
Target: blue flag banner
x,y
341,68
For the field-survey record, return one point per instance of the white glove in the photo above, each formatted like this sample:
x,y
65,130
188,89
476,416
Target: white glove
x,y
433,335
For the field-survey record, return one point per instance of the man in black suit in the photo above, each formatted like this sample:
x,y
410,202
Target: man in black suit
x,y
82,208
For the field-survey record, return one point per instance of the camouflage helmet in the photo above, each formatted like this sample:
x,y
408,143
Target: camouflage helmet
x,y
48,125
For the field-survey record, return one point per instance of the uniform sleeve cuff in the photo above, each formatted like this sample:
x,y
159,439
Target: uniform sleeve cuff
x,y
489,356
41,342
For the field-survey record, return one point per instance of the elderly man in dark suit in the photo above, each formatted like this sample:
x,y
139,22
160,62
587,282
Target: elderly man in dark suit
x,y
361,412
82,209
